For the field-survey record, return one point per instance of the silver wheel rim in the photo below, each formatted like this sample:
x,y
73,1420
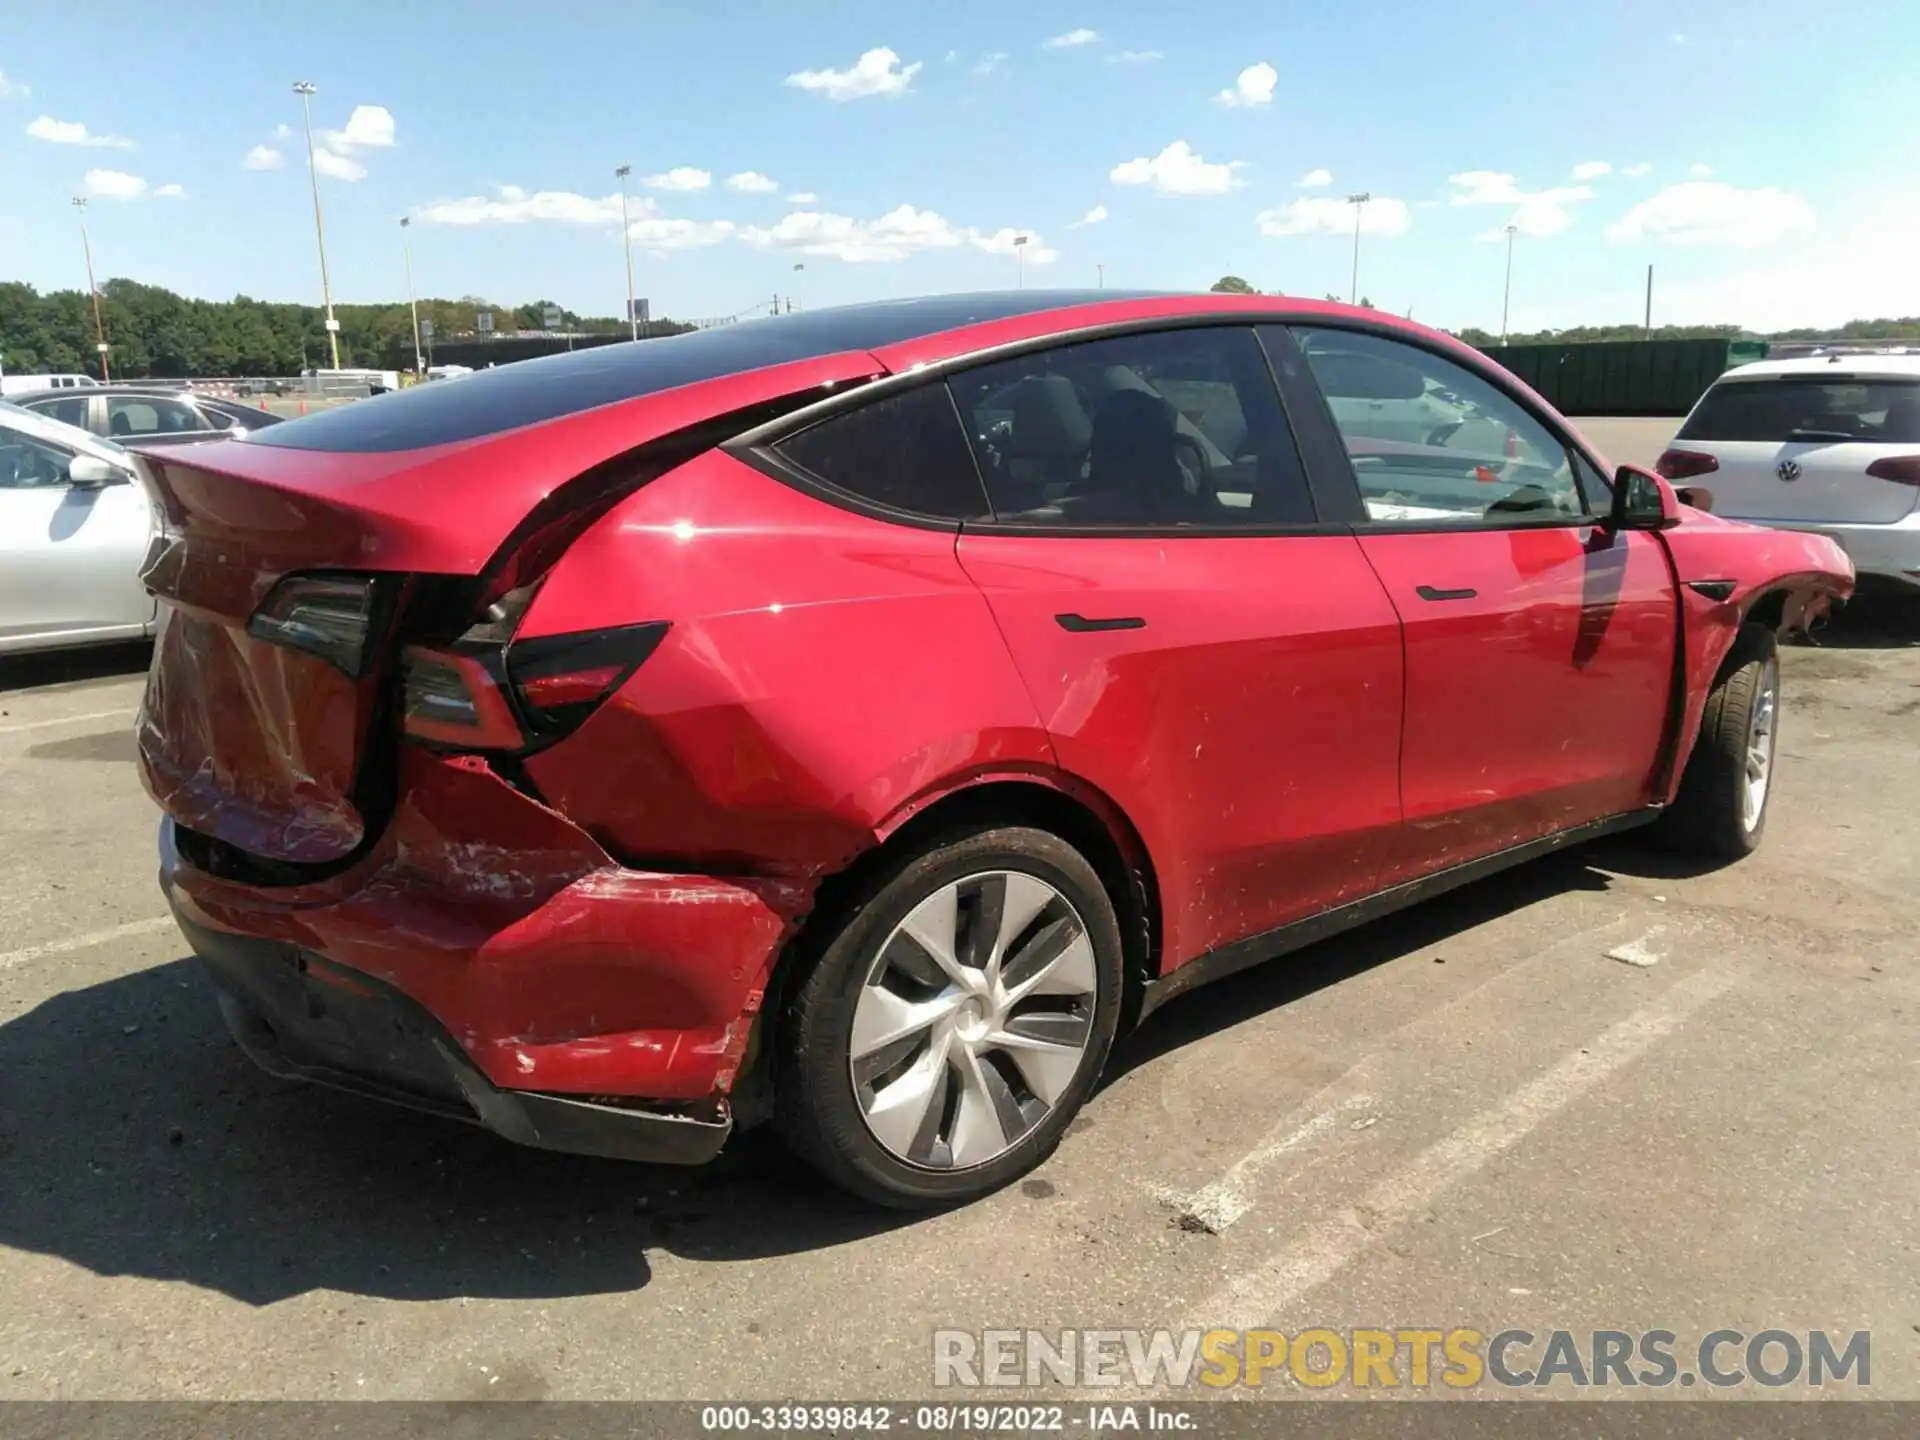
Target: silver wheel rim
x,y
1760,737
973,1021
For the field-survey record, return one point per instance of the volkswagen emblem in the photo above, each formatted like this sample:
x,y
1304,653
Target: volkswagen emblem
x,y
1788,469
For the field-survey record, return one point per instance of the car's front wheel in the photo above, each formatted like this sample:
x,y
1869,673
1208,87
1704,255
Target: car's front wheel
x,y
1721,809
956,1022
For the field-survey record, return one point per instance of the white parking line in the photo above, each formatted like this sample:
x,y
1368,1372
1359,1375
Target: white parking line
x,y
1270,1287
84,942
65,720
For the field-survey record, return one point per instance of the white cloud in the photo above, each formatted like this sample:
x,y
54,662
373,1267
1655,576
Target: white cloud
x,y
1709,212
11,89
1178,170
1700,172
1636,171
1326,215
1592,169
512,205
991,62
681,177
1092,217
1314,179
1072,40
72,132
660,234
115,185
283,132
899,233
262,157
1000,242
877,72
337,167
369,127
1253,87
803,197
1538,213
751,182
1135,57
171,192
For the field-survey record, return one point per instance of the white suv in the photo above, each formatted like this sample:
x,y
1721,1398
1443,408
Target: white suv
x,y
1830,443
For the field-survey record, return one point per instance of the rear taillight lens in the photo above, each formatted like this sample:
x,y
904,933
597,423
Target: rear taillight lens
x,y
1685,464
325,615
1901,469
529,693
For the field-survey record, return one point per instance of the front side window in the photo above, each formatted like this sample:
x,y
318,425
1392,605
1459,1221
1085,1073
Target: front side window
x,y
905,452
1812,410
1433,443
1170,428
27,463
133,415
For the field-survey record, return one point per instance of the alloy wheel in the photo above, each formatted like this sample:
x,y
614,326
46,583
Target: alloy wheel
x,y
1760,742
974,1020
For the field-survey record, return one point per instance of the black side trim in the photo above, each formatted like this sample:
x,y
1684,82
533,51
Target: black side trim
x,y
1080,624
1272,944
1713,589
1429,592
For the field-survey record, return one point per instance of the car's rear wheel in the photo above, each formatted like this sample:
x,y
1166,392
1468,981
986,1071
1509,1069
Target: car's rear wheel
x,y
956,1022
1721,809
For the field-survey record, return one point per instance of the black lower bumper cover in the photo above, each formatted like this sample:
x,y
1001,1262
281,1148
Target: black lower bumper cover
x,y
298,1015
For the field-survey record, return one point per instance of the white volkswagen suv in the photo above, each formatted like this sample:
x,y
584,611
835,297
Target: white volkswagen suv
x,y
1830,443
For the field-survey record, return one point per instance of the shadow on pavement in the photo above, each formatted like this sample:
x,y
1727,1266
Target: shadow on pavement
x,y
68,667
136,1140
1874,621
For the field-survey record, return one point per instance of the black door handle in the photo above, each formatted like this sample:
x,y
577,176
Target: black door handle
x,y
1428,592
1080,624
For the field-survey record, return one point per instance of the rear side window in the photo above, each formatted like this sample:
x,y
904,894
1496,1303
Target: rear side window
x,y
906,452
1839,408
70,412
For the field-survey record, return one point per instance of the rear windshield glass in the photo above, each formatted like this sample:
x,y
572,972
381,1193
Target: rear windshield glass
x,y
1840,408
529,391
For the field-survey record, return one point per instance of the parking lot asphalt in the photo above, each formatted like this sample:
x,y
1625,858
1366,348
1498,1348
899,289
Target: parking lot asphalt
x,y
1468,1114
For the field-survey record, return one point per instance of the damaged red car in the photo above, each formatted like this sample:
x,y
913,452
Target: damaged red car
x,y
853,720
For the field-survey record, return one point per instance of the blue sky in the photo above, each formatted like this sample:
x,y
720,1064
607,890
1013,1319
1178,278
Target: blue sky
x,y
1761,155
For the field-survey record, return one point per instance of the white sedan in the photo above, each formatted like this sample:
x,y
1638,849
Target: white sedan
x,y
75,524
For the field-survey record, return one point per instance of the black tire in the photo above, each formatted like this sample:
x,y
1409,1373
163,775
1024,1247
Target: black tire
x,y
1709,817
818,1111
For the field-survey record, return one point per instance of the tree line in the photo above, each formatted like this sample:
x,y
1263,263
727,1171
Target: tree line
x,y
153,332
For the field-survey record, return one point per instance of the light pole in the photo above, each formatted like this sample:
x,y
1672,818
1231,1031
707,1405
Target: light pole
x,y
1020,261
1359,203
1506,294
413,303
626,239
86,246
1100,272
799,267
304,89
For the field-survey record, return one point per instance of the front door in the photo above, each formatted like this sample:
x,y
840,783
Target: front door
x,y
1539,645
1226,672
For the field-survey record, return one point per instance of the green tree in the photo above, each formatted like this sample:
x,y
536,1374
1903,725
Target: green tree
x,y
1232,285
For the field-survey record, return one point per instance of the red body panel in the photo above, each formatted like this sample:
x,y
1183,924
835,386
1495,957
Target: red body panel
x,y
1258,758
1538,700
1292,727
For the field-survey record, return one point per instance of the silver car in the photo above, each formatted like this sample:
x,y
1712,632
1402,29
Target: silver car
x,y
75,524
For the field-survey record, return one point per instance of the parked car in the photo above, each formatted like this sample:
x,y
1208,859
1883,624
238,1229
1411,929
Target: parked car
x,y
853,719
74,528
1829,444
12,385
148,414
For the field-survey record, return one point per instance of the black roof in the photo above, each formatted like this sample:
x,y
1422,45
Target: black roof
x,y
528,391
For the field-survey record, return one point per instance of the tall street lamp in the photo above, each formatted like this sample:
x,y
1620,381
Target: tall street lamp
x,y
1506,292
304,89
1020,261
799,268
413,303
1359,203
86,246
626,239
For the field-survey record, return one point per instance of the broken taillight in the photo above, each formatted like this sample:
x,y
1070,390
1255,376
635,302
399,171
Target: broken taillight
x,y
325,615
1685,464
483,696
1901,469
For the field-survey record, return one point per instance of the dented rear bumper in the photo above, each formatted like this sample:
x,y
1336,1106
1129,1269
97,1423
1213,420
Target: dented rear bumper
x,y
487,959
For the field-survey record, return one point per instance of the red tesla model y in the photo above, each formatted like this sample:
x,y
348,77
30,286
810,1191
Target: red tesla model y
x,y
852,720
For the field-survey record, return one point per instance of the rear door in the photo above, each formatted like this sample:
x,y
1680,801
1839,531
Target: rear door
x,y
1539,646
1802,446
1201,651
69,554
